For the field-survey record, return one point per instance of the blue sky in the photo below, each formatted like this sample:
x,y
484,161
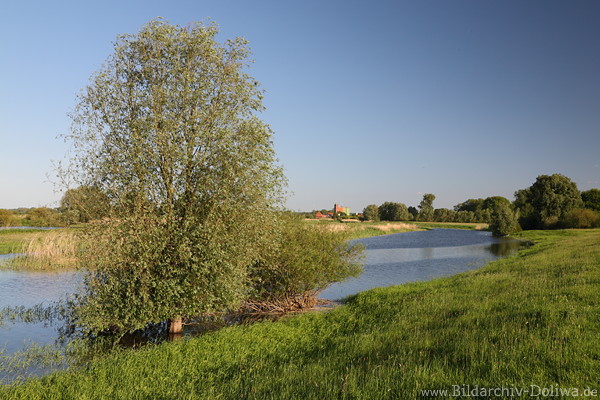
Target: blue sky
x,y
370,101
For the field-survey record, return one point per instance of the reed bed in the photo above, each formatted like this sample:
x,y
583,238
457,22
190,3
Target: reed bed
x,y
365,229
57,249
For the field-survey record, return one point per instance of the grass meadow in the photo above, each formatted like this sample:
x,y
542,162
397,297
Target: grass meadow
x,y
529,319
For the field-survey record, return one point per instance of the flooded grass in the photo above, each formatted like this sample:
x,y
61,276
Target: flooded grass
x,y
529,319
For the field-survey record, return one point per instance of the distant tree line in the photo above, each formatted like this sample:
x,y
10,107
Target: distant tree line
x,y
552,201
79,205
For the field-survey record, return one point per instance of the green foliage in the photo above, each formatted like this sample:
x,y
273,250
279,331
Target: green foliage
x,y
303,260
371,213
473,205
84,204
527,320
443,215
464,216
580,218
495,202
7,218
390,211
591,199
523,205
504,221
478,210
449,225
413,212
549,199
426,207
167,131
43,217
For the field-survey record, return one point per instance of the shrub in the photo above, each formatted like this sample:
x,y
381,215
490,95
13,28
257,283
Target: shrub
x,y
580,218
503,220
303,261
44,217
7,218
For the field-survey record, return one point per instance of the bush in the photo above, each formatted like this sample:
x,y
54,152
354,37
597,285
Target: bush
x,y
580,218
7,218
304,260
44,217
503,221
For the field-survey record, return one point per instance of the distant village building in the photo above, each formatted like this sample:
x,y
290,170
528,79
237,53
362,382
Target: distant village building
x,y
337,208
320,215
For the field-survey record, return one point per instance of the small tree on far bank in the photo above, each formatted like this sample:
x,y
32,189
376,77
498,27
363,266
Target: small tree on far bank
x,y
591,199
504,220
390,211
371,213
547,201
426,209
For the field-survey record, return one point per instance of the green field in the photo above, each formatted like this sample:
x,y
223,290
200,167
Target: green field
x,y
530,319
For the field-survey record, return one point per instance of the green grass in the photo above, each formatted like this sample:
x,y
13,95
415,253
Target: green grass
x,y
530,319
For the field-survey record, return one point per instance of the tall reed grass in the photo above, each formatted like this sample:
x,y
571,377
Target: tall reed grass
x,y
366,229
48,250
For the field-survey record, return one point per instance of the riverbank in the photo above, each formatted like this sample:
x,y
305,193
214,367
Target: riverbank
x,y
530,319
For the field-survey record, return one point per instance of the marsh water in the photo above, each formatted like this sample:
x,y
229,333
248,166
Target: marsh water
x,y
390,260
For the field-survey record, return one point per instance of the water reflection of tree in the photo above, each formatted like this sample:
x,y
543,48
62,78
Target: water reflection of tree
x,y
505,248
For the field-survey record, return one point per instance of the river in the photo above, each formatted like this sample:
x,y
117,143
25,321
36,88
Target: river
x,y
416,256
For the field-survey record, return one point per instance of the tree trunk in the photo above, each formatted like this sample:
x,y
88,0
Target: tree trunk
x,y
175,326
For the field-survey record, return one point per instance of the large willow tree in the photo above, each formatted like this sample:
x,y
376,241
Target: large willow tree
x,y
167,129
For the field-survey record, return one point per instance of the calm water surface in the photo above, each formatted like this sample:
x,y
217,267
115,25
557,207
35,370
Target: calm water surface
x,y
28,289
417,256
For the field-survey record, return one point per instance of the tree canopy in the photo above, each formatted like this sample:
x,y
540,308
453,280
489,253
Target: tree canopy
x,y
371,212
390,211
84,204
591,199
168,131
426,207
548,199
